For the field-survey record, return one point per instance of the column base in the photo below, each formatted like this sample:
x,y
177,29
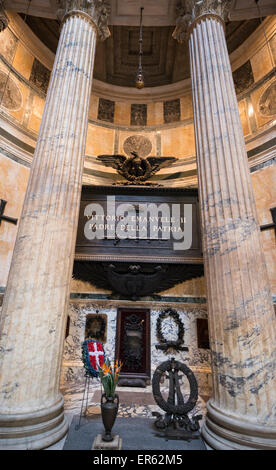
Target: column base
x,y
33,431
223,432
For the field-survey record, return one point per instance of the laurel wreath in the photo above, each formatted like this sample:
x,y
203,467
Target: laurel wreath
x,y
165,344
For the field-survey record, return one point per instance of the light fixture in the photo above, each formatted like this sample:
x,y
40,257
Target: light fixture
x,y
139,77
250,110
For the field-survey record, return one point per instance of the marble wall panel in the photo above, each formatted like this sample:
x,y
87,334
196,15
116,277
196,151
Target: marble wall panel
x,y
244,117
13,183
197,359
155,114
261,63
100,140
23,61
36,113
264,186
93,107
178,142
122,113
186,107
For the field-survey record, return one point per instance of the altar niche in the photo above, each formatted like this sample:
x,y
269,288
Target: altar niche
x,y
133,346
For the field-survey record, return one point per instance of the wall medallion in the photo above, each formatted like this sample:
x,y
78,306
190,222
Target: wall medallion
x,y
12,97
267,102
139,144
166,344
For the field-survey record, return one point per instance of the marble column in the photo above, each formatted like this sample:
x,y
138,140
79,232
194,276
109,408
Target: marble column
x,y
35,303
241,412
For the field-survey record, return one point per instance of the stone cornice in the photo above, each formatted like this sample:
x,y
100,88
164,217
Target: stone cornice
x,y
97,10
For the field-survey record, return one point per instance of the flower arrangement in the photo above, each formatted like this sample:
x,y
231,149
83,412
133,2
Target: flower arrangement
x,y
109,376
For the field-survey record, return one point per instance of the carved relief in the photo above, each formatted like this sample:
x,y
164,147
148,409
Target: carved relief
x,y
139,144
138,115
243,77
106,110
40,76
267,103
10,93
172,111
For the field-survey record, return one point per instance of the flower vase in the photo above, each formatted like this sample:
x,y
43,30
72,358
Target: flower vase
x,y
109,409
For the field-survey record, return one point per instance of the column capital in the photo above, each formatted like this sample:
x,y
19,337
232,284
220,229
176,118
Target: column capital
x,y
194,11
4,21
97,10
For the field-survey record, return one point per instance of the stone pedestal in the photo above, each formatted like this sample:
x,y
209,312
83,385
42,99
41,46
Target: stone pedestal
x,y
241,413
99,444
34,308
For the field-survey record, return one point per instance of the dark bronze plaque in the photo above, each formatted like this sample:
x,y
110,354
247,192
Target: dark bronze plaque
x,y
141,225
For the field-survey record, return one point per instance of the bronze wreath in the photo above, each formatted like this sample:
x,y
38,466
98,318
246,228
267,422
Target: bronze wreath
x,y
169,407
170,344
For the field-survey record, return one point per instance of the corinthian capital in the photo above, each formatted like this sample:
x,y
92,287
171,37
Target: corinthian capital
x,y
3,19
98,11
193,11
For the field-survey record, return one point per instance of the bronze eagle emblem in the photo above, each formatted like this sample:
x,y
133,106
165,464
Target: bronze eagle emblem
x,y
136,169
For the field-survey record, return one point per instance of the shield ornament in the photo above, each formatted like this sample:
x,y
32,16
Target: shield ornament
x,y
93,355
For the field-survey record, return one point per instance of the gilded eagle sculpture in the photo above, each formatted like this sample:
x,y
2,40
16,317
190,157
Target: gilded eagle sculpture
x,y
136,169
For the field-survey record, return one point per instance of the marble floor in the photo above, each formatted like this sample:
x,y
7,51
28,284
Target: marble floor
x,y
134,402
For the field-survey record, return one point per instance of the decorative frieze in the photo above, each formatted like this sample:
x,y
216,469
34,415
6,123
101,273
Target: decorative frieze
x,y
138,115
40,76
106,110
172,111
243,77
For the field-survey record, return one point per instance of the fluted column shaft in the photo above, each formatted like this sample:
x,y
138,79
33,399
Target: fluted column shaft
x,y
33,315
241,412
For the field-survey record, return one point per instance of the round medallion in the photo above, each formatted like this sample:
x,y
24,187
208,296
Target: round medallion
x,y
12,97
139,144
267,103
